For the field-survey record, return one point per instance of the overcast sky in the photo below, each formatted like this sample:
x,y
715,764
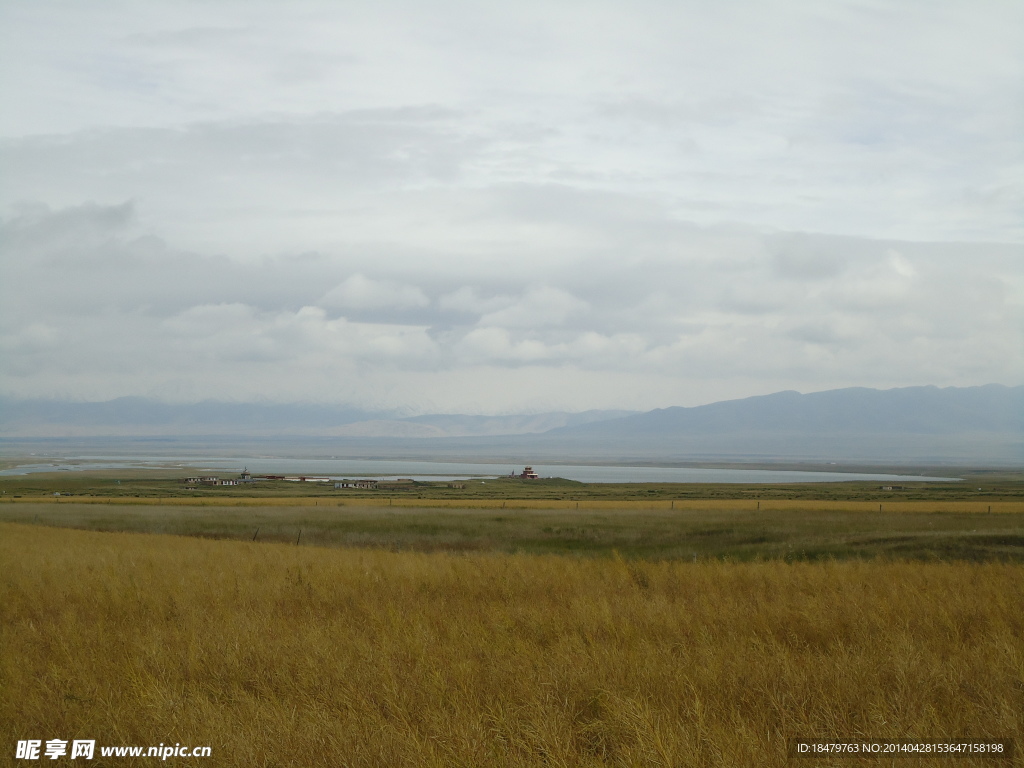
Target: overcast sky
x,y
486,208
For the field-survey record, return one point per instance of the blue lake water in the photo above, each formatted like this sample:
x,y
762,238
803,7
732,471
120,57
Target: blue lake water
x,y
436,470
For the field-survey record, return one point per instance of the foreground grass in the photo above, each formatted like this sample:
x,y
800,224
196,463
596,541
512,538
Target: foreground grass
x,y
280,655
788,530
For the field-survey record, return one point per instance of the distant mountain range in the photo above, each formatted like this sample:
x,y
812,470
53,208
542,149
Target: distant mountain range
x,y
854,411
972,425
137,416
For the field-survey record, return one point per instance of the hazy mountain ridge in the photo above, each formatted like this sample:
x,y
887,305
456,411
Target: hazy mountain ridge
x,y
970,425
459,425
137,416
856,410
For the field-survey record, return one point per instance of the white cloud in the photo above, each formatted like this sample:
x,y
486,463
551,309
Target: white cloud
x,y
497,344
236,331
538,307
468,300
360,292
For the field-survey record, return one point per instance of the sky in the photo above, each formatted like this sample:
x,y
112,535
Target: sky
x,y
515,207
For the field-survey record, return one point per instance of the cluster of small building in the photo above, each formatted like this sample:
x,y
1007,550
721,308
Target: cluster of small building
x,y
372,484
375,484
246,477
212,480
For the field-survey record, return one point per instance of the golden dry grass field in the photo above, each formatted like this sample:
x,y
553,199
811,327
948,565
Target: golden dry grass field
x,y
277,655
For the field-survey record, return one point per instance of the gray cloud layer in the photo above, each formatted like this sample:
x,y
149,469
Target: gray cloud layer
x,y
543,206
91,307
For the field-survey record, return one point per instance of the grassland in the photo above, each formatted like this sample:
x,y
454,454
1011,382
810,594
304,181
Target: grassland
x,y
686,529
151,484
979,520
283,655
506,623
